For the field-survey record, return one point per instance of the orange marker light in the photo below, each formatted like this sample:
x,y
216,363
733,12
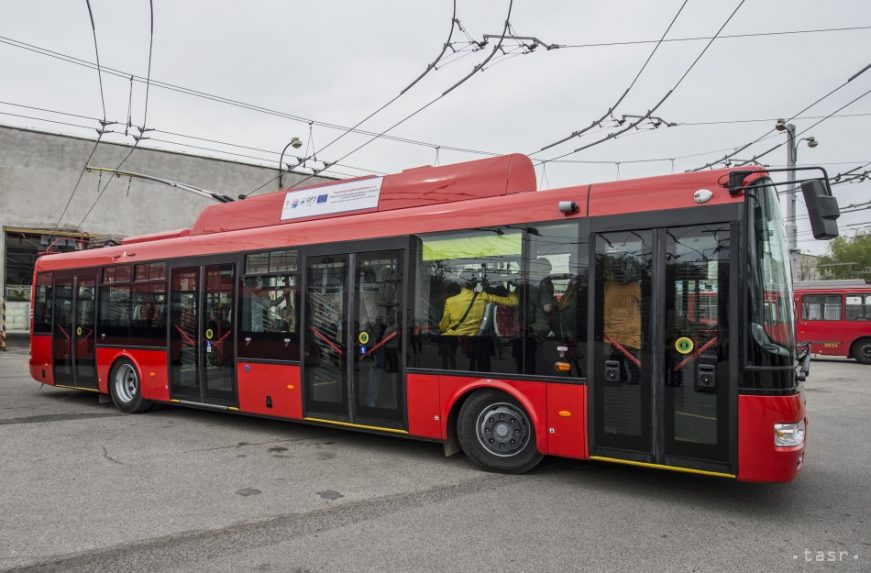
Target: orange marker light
x,y
565,413
290,386
562,366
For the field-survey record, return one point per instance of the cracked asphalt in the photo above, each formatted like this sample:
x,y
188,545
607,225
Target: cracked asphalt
x,y
83,488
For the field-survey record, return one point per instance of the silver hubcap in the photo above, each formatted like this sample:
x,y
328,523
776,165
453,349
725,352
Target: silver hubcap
x,y
503,429
126,383
866,351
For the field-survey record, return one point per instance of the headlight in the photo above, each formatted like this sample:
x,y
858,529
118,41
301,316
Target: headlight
x,y
789,435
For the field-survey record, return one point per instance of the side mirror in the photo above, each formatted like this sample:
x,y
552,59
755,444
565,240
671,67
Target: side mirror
x,y
822,209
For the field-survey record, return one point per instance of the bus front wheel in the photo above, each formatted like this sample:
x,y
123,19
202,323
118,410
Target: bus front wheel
x,y
496,433
862,351
126,388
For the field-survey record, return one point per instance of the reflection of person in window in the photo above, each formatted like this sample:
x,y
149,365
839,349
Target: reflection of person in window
x,y
542,296
622,313
463,315
386,359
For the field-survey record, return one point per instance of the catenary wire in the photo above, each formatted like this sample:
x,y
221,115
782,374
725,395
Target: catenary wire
x,y
431,66
625,92
722,37
635,123
791,118
229,101
103,123
142,129
475,70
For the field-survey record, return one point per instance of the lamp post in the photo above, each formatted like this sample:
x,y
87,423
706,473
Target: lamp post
x,y
791,160
296,143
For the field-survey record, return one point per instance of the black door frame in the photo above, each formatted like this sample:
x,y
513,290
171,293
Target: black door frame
x,y
730,215
73,336
351,249
236,260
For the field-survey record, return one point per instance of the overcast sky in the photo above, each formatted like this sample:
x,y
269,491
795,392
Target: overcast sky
x,y
336,62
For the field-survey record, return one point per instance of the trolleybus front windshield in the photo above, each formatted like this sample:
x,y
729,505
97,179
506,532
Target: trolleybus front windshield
x,y
771,307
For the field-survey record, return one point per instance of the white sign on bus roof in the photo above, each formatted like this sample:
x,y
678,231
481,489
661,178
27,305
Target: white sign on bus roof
x,y
351,196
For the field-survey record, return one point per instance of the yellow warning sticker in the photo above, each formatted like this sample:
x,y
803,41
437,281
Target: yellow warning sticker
x,y
684,345
363,337
209,333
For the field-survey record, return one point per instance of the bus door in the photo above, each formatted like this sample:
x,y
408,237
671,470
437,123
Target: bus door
x,y
353,366
73,343
202,333
661,385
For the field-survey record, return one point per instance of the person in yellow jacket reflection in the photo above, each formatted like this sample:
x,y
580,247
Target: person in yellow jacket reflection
x,y
464,312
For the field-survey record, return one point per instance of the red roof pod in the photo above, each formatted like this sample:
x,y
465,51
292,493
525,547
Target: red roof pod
x,y
411,188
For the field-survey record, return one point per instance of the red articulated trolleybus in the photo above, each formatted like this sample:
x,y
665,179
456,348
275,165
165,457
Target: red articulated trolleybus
x,y
834,317
459,304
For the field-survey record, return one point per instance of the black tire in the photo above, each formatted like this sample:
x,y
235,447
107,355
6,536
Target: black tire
x,y
125,386
862,351
496,433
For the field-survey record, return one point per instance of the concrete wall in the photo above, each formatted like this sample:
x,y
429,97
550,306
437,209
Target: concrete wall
x,y
39,170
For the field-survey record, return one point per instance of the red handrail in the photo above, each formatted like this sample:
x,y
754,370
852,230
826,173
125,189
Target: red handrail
x,y
625,352
381,343
329,342
695,354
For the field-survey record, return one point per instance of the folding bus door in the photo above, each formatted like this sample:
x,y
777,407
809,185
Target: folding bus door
x,y
353,367
62,331
661,380
83,331
202,333
73,344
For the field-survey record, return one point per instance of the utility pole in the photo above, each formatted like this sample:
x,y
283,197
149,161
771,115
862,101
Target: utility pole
x,y
791,190
791,225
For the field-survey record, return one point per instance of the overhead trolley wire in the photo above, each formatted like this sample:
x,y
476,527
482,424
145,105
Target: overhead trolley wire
x,y
103,122
252,107
665,97
722,37
478,67
229,101
741,148
177,134
816,123
625,92
431,66
142,129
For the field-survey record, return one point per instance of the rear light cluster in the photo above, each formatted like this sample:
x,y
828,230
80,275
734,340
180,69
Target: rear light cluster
x,y
789,435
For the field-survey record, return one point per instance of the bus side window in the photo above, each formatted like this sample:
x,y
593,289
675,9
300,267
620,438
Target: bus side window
x,y
467,310
821,307
42,306
858,307
270,307
556,296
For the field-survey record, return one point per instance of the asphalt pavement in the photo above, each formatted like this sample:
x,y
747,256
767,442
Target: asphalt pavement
x,y
84,488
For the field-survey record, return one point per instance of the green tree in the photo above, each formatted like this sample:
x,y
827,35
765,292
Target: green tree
x,y
842,252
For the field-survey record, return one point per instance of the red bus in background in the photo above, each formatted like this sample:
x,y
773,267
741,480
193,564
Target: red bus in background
x,y
835,318
628,322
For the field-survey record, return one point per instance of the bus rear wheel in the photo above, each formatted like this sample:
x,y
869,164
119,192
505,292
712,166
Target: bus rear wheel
x,y
126,388
862,351
496,433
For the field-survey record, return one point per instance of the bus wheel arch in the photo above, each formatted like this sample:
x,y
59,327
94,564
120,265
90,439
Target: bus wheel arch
x,y
125,386
861,350
496,428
